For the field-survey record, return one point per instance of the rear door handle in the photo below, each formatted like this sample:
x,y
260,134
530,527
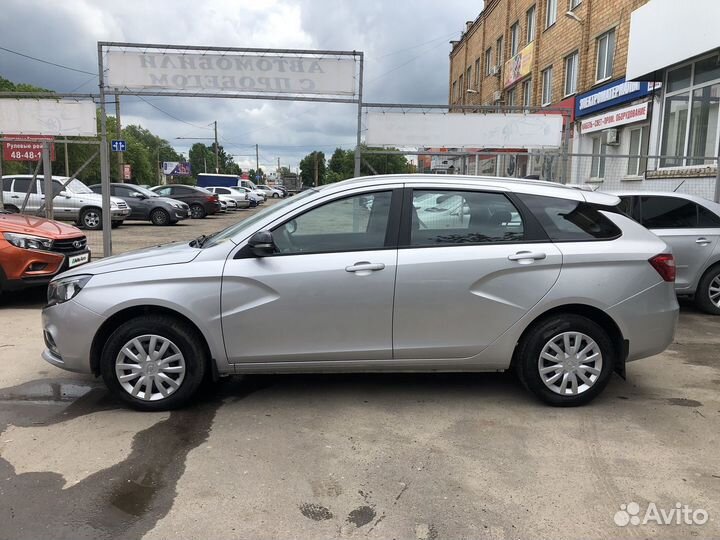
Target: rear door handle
x,y
527,256
702,241
365,267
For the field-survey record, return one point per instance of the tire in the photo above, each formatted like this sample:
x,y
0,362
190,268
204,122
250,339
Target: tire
x,y
276,196
159,217
91,218
116,224
197,211
709,285
537,340
12,209
187,370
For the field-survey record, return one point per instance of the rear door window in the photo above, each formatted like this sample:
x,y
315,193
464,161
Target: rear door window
x,y
668,213
463,217
22,184
570,221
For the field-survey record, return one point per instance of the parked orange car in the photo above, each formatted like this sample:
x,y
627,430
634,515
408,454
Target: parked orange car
x,y
34,249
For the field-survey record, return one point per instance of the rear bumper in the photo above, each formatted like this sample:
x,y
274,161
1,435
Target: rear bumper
x,y
648,320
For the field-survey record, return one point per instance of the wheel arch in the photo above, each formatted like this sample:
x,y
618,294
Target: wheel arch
x,y
598,316
124,315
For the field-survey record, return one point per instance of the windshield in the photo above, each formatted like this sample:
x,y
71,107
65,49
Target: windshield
x,y
234,230
145,191
76,186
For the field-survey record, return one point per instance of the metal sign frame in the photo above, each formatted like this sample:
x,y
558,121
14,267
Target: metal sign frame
x,y
102,46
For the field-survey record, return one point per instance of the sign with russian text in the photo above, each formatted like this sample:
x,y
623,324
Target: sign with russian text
x,y
612,94
619,117
232,72
519,66
25,149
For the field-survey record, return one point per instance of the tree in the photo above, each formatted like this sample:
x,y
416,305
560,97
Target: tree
x,y
342,163
307,168
201,158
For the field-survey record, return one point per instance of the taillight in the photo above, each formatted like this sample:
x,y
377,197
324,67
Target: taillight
x,y
664,264
212,198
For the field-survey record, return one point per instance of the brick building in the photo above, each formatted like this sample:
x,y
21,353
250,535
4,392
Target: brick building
x,y
556,54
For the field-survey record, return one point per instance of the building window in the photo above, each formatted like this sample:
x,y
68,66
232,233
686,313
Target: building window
x,y
531,24
605,54
453,98
488,62
574,3
551,13
511,97
571,74
514,39
527,93
461,89
690,118
468,76
477,73
499,51
597,166
547,80
637,163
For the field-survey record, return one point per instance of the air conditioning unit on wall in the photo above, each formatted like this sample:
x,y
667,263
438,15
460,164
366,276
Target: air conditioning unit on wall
x,y
497,95
612,137
495,70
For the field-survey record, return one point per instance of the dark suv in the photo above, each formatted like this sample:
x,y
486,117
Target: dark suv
x,y
148,205
200,200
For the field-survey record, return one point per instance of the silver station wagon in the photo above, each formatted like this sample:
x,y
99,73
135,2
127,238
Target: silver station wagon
x,y
379,274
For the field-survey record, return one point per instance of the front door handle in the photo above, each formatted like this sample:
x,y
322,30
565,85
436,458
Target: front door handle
x,y
527,256
702,241
365,267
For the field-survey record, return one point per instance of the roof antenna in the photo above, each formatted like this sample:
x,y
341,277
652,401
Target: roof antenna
x,y
679,186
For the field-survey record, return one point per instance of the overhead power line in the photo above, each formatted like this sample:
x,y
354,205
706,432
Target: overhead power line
x,y
48,62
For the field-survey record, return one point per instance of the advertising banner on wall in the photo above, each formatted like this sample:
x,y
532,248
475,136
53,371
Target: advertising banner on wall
x,y
464,130
519,66
231,72
48,117
618,117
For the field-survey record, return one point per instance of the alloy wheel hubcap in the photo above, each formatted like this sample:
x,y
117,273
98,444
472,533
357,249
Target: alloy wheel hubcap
x,y
570,363
150,367
92,219
714,291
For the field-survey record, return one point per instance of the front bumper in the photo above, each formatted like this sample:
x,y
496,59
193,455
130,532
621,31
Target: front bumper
x,y
69,329
119,214
34,267
180,213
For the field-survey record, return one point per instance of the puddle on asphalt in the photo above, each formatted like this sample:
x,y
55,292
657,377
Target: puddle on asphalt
x,y
47,390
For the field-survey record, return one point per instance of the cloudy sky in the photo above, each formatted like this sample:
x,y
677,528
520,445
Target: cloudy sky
x,y
405,44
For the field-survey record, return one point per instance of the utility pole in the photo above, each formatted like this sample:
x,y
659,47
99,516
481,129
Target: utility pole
x,y
118,131
316,169
217,163
257,161
278,169
67,163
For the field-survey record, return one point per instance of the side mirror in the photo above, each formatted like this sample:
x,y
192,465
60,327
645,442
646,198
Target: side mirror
x,y
64,193
262,244
139,195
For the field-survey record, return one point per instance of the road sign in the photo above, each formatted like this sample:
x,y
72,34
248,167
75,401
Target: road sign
x,y
20,150
127,171
118,146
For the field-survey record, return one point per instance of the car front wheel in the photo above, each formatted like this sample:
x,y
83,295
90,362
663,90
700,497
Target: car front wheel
x,y
154,363
707,296
91,218
565,360
159,217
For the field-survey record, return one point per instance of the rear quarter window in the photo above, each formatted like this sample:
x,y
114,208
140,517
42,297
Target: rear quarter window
x,y
570,221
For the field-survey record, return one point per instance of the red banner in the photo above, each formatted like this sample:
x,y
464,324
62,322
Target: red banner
x,y
26,151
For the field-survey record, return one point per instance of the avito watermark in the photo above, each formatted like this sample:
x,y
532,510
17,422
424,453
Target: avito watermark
x,y
680,514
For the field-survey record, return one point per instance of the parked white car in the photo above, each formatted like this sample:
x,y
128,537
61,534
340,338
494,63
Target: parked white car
x,y
72,202
271,192
227,193
256,195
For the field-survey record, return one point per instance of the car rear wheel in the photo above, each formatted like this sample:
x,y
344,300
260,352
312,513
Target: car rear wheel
x,y
197,211
159,217
707,296
276,196
12,209
154,363
565,360
91,218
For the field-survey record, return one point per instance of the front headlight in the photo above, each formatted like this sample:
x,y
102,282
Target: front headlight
x,y
27,241
64,289
113,204
177,205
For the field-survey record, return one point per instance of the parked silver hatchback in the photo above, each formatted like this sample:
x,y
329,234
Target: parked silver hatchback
x,y
691,226
381,274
